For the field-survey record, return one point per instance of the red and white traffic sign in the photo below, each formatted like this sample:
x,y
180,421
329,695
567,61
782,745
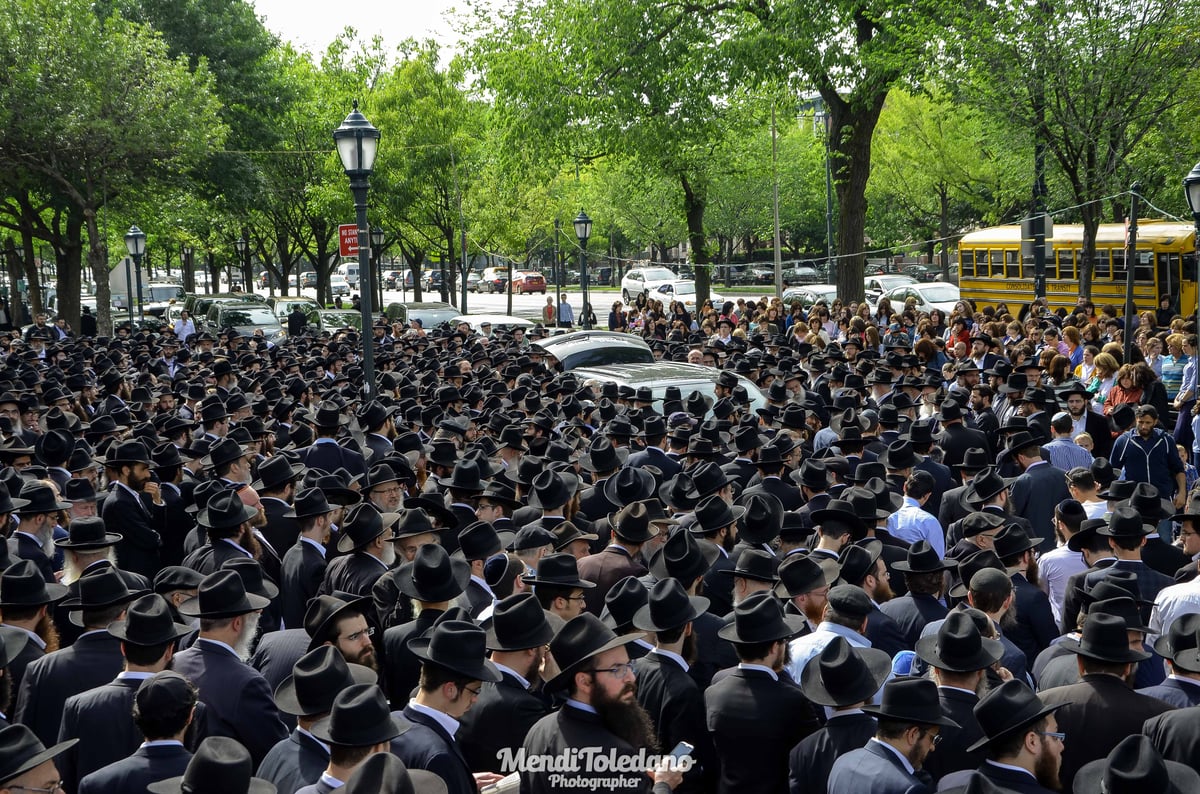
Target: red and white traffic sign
x,y
348,239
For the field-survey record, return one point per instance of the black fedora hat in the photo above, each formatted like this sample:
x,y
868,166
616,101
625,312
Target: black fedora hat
x,y
1122,605
760,618
89,533
622,602
316,679
669,607
222,595
558,570
22,585
220,766
763,519
1105,639
40,498
148,621
858,560
985,485
359,718
253,577
899,455
911,700
552,489
518,623
21,751
581,639
813,474
958,646
466,476
433,575
713,513
412,521
629,485
707,478
324,612
100,588
635,522
602,456
275,472
1125,522
974,459
1145,499
529,467
1012,541
923,558
565,533
972,564
480,540
843,675
756,564
363,524
1008,708
309,502
674,492
802,573
127,453
1022,439
226,450
1180,642
1135,766
329,415
457,645
838,513
384,773
978,522
225,510
683,558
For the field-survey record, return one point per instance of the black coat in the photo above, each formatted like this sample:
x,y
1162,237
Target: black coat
x,y
951,754
1035,494
1071,603
392,608
333,456
500,717
1149,581
94,660
240,704
1100,429
1034,629
911,613
885,634
676,706
68,632
954,506
718,587
1180,693
352,573
740,470
1164,557
785,492
177,522
1102,709
16,668
755,721
276,655
281,532
474,599
402,667
294,763
943,481
1011,780
303,570
145,766
1176,734
140,523
426,745
713,652
956,439
810,760
569,728
22,546
804,514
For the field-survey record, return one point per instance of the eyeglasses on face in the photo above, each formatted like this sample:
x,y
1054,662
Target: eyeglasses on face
x,y
617,670
1062,737
369,631
56,787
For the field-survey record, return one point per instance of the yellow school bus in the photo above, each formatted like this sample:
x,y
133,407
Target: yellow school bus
x,y
992,270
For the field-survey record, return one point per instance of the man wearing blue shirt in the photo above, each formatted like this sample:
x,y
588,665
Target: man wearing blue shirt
x,y
911,523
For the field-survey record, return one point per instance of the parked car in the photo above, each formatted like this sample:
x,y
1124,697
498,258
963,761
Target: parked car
x,y
246,318
929,296
430,313
432,280
596,348
473,281
335,319
683,291
875,286
494,279
801,275
921,272
953,275
641,280
528,281
283,306
198,305
338,285
810,295
393,279
308,279
499,322
659,375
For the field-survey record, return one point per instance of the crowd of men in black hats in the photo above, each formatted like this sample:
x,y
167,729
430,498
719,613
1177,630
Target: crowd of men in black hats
x,y
232,566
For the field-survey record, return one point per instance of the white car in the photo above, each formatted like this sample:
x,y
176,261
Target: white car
x,y
929,295
809,295
877,285
684,291
338,285
643,280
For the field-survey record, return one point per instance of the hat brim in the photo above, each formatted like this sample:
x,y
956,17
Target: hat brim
x,y
1181,778
174,785
254,603
287,701
904,567
346,543
708,554
483,671
120,630
110,539
37,760
793,623
539,638
1125,656
879,667
990,652
460,576
643,620
298,470
248,512
320,633
939,719
567,673
1008,730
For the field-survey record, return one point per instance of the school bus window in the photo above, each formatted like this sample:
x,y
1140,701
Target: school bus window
x,y
1143,269
1118,264
1168,274
997,263
1012,264
1103,269
1066,263
966,262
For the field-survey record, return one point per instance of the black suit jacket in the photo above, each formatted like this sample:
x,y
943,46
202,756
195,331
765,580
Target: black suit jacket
x,y
1010,780
501,717
474,599
568,728
911,613
426,745
1071,604
294,763
755,721
240,704
875,769
331,457
1176,692
276,655
713,653
1100,429
94,660
280,532
1164,557
676,706
605,570
1035,495
951,754
1176,734
353,573
141,524
956,439
954,506
402,667
1102,709
68,632
1149,581
785,492
740,470
177,522
810,760
102,719
885,634
943,481
145,766
23,547
16,668
303,570
1034,629
718,587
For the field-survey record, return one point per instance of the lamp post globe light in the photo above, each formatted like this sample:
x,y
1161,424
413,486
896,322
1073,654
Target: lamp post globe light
x,y
377,254
357,142
135,244
240,245
1191,191
583,230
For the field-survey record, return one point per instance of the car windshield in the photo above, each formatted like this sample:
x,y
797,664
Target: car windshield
x,y
166,293
685,288
341,319
657,274
888,282
249,316
940,293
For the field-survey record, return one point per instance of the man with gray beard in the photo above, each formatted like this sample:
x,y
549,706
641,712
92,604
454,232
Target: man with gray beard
x,y
239,701
33,538
89,547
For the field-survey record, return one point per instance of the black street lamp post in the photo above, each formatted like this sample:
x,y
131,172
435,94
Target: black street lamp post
x,y
357,142
377,255
1191,189
135,243
583,230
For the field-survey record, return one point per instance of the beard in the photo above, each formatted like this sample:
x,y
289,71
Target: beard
x,y
5,692
245,641
628,720
688,651
729,542
72,571
48,632
814,610
250,543
882,591
1031,573
1045,769
366,658
388,555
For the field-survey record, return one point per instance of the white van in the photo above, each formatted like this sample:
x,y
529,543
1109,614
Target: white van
x,y
349,271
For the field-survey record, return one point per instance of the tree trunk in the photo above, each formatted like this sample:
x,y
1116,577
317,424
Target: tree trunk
x,y
944,230
1090,216
694,202
68,251
98,265
853,123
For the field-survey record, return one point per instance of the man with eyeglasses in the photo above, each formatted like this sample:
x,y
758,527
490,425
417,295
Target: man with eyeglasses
x,y
26,764
382,488
1023,743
